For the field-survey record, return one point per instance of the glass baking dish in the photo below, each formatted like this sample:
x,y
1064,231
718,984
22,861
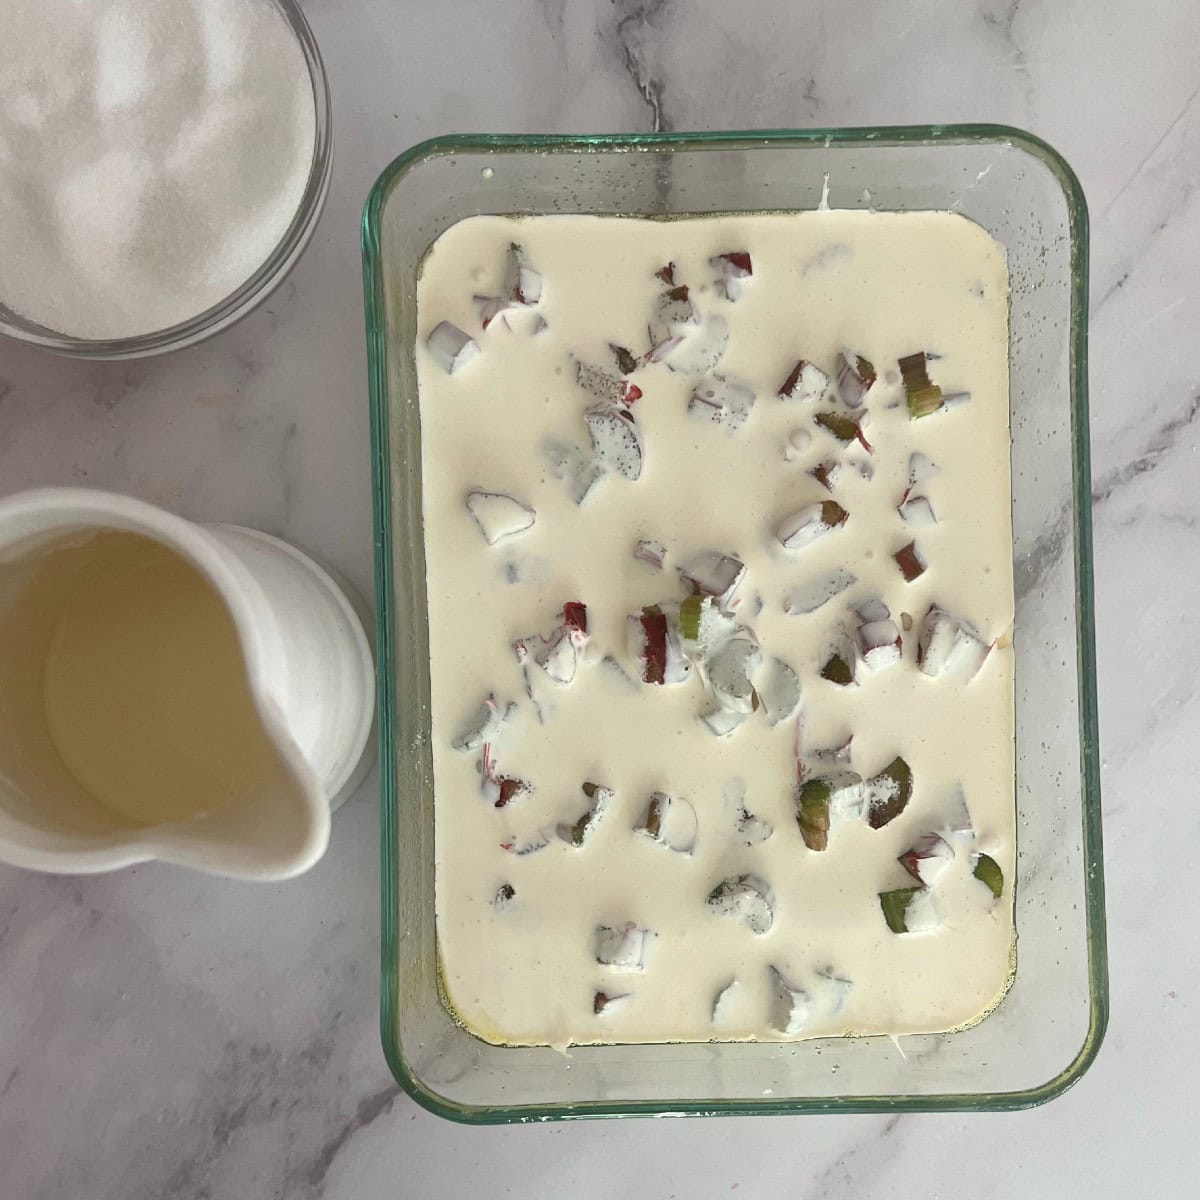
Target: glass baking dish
x,y
1047,1030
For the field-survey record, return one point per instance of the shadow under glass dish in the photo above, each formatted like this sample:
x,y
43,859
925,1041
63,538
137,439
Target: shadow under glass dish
x,y
1048,1028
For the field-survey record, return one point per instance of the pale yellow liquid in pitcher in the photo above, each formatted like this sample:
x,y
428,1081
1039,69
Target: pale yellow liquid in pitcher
x,y
146,697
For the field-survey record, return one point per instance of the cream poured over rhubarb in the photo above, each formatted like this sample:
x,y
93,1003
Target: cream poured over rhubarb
x,y
719,570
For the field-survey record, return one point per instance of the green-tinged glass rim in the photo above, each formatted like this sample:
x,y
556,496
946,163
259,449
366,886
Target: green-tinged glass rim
x,y
1089,735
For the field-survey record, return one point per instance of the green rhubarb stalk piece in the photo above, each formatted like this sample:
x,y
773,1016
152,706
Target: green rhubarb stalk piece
x,y
895,907
578,833
889,793
838,670
626,363
844,428
923,395
654,815
812,813
833,514
987,870
689,617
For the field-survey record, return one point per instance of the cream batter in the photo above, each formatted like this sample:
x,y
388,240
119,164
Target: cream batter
x,y
717,917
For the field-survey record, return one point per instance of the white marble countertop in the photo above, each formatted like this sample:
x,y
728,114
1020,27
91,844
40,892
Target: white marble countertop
x,y
163,1034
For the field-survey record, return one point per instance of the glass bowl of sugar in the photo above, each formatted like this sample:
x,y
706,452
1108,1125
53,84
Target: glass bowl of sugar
x,y
163,164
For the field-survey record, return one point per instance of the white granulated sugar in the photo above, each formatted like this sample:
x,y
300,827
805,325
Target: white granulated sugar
x,y
152,155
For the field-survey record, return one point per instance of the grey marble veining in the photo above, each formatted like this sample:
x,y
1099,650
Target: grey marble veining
x,y
167,1035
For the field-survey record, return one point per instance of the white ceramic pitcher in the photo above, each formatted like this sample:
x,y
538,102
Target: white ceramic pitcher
x,y
297,717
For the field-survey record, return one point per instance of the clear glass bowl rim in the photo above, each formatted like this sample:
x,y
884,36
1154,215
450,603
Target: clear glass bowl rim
x,y
373,284
269,275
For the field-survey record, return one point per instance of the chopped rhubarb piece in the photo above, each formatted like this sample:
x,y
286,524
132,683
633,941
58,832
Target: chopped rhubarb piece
x,y
725,1001
731,672
810,523
666,274
790,1008
499,516
987,870
847,792
574,615
873,609
673,314
559,657
938,631
812,812
838,668
895,907
626,362
732,272
949,645
917,510
806,382
539,840
611,390
831,761
616,441
671,821
579,471
600,798
855,375
779,691
485,726
490,307
714,574
650,551
622,947
968,653
450,348
888,793
922,396
824,800
722,401
827,473
879,644
926,861
505,895
920,468
697,349
811,596
911,562
689,617
655,645
844,428
713,626
654,630
603,1002
509,790
522,284
747,898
